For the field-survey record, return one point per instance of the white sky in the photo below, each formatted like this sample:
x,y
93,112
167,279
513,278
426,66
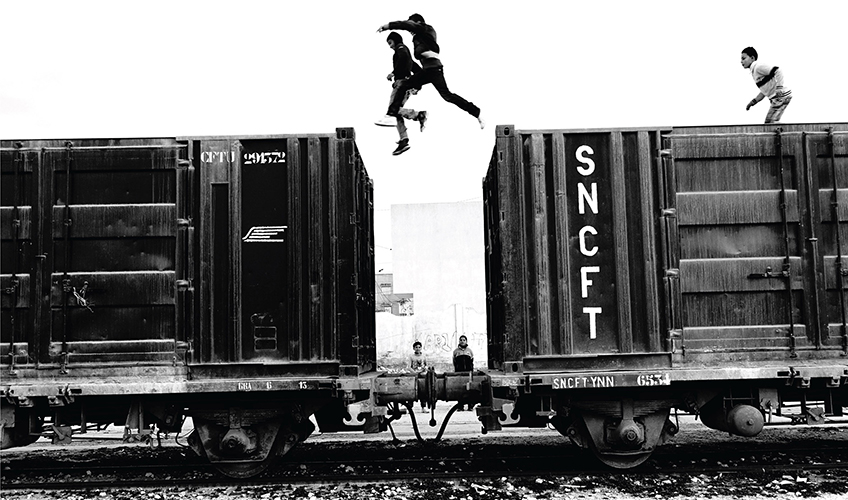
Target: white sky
x,y
79,69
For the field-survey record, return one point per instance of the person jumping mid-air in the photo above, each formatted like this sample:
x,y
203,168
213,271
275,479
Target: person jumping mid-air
x,y
402,68
426,50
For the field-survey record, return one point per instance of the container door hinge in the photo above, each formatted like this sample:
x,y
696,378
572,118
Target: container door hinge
x,y
672,273
675,340
14,282
669,213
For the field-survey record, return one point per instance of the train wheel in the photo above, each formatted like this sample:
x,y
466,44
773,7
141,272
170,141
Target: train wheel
x,y
246,446
25,428
622,461
243,470
239,453
619,440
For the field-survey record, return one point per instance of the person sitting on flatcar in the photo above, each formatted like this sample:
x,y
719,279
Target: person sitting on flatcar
x,y
463,360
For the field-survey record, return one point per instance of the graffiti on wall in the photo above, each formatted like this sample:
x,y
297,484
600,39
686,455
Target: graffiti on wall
x,y
444,343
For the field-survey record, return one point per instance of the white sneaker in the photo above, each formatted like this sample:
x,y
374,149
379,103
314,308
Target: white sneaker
x,y
481,122
386,121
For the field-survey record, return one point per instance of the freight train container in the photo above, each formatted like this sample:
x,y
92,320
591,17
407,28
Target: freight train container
x,y
141,273
632,271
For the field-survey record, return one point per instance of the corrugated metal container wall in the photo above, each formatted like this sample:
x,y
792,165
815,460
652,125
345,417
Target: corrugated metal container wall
x,y
570,283
90,250
286,263
760,239
247,251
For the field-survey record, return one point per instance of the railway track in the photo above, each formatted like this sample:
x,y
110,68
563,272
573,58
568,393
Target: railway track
x,y
331,463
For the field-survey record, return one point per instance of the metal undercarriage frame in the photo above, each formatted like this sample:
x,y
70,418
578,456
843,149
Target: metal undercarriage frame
x,y
621,416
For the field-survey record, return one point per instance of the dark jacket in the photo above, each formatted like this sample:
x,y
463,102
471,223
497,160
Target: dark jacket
x,y
423,39
402,63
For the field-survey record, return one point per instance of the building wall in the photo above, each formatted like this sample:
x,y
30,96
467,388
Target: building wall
x,y
383,290
437,255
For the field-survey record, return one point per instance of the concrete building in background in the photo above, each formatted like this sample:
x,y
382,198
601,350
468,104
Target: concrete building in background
x,y
386,300
437,257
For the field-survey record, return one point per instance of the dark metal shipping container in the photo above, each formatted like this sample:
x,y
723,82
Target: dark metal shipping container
x,y
648,248
570,249
214,255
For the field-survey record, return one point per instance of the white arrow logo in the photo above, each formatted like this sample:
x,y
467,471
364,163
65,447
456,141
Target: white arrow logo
x,y
265,234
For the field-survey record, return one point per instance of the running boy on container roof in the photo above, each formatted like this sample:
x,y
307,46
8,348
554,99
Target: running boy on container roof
x,y
427,51
769,79
402,68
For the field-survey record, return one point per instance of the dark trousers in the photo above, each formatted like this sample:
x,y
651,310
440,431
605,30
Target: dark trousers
x,y
436,76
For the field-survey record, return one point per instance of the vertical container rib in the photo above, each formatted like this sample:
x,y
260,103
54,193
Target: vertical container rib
x,y
840,272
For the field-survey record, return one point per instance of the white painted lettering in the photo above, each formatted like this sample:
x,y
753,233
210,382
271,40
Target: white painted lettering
x,y
590,163
587,198
585,282
584,196
594,381
593,323
217,156
588,252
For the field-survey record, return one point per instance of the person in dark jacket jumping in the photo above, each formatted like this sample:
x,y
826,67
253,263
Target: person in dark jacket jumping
x,y
403,67
426,50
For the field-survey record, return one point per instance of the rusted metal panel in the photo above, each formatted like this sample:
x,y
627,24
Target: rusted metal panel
x,y
725,252
571,260
119,220
18,193
359,234
99,231
754,211
827,176
286,244
506,262
736,207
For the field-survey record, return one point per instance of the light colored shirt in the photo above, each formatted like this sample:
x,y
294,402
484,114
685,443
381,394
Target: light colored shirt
x,y
418,362
767,84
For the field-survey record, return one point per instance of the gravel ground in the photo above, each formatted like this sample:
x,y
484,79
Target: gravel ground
x,y
464,432
539,488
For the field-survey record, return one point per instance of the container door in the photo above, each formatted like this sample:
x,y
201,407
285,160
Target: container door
x,y
103,234
17,192
827,170
737,212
